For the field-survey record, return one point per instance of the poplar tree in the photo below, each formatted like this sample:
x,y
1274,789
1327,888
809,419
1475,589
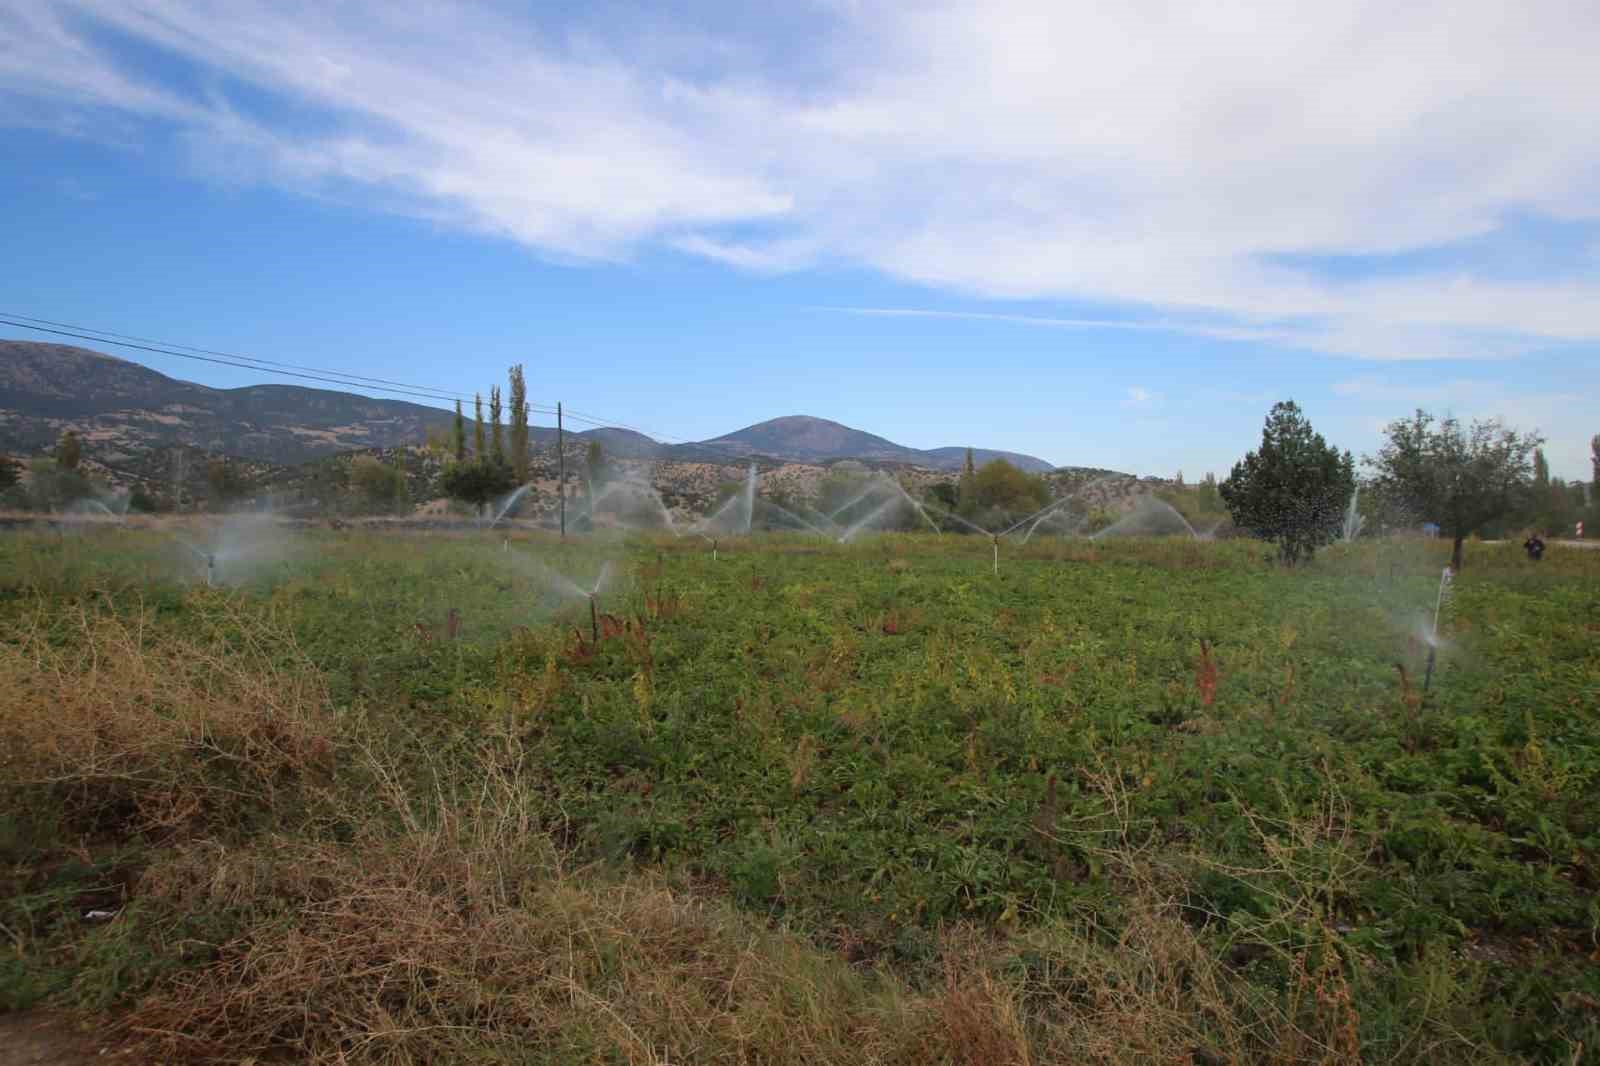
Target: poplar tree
x,y
460,435
967,493
1593,528
499,446
477,425
519,424
69,451
1594,466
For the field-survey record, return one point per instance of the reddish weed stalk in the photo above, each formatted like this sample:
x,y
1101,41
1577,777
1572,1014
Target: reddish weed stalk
x,y
1205,674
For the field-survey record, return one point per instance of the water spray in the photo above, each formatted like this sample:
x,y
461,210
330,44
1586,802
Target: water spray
x,y
1444,585
1433,638
750,500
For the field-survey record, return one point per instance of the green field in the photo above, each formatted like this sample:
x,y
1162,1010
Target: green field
x,y
1122,801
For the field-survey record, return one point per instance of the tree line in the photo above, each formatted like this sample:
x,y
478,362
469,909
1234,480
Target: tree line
x,y
1294,490
1459,478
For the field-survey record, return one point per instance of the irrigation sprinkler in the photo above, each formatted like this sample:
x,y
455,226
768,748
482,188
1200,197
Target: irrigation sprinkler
x,y
207,557
594,621
995,541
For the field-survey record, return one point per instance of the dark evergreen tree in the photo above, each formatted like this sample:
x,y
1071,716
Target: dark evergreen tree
x,y
1293,489
460,435
477,426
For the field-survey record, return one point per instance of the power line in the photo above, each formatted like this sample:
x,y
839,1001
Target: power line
x,y
321,376
230,355
309,373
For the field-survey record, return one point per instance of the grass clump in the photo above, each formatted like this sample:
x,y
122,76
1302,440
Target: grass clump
x,y
119,725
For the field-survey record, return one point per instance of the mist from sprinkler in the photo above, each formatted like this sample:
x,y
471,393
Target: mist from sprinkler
x,y
1432,637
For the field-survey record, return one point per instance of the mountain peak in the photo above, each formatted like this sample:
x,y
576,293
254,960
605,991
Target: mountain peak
x,y
811,439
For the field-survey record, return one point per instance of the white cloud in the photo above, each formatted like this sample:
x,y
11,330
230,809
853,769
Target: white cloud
x,y
1158,160
1561,415
1141,397
771,257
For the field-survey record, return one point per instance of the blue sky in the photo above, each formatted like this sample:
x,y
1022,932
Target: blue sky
x,y
1107,235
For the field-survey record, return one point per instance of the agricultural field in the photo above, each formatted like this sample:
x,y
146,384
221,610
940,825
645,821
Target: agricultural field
x,y
405,797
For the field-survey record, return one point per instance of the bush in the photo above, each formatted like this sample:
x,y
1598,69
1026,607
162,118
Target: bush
x,y
477,482
379,486
52,486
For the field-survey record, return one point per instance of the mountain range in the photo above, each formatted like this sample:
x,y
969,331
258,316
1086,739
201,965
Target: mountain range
x,y
123,410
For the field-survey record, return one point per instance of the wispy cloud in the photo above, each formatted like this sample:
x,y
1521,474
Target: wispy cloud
x,y
1164,163
1052,322
770,257
1377,400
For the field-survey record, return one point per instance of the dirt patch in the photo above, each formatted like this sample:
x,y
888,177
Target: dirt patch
x,y
36,1038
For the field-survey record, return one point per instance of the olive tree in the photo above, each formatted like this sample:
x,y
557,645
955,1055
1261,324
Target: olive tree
x,y
1459,476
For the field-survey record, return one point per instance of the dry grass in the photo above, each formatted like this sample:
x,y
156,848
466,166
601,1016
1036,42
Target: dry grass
x,y
462,937
450,931
133,729
451,945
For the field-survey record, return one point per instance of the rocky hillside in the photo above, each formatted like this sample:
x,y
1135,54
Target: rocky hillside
x,y
125,411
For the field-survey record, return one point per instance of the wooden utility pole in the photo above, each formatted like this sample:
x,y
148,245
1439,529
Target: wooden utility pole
x,y
561,465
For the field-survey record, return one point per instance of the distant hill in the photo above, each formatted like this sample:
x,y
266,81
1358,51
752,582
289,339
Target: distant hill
x,y
955,458
802,438
124,411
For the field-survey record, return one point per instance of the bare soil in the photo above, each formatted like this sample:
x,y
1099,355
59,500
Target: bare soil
x,y
38,1038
